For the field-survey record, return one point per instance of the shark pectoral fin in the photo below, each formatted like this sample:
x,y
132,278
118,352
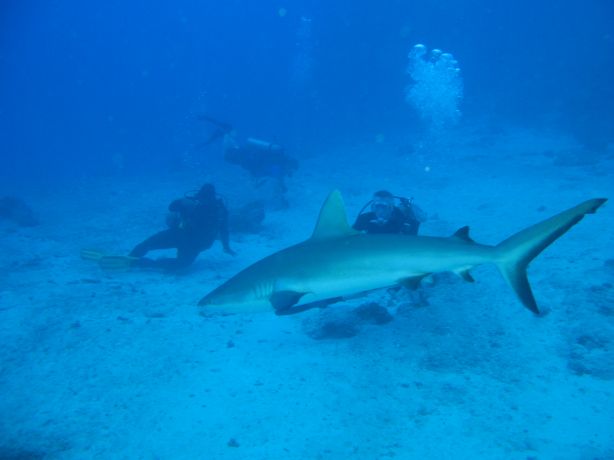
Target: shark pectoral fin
x,y
412,282
285,300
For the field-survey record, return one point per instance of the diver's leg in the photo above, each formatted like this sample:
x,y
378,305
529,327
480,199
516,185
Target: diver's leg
x,y
187,252
186,256
166,239
191,246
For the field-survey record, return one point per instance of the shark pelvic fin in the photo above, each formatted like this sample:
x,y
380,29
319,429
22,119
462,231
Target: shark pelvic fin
x,y
332,221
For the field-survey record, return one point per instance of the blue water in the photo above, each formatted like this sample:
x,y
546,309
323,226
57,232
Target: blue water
x,y
99,131
80,80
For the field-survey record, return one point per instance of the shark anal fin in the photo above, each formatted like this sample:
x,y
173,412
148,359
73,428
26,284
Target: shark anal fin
x,y
412,282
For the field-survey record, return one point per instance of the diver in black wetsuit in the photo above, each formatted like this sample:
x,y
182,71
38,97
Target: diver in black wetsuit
x,y
386,217
194,222
260,158
263,160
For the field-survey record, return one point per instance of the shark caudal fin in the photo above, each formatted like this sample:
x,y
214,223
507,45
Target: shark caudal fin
x,y
515,253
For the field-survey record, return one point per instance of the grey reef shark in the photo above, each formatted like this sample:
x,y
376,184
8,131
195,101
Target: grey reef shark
x,y
338,262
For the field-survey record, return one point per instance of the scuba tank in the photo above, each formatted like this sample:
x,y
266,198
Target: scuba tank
x,y
264,145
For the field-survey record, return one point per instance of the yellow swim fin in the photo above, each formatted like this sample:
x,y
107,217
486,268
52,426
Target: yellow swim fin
x,y
117,262
91,254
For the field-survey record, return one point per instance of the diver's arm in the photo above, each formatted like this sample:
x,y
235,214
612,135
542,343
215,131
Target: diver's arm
x,y
224,237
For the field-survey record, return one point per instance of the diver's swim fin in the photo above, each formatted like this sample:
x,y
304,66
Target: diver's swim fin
x,y
117,262
108,262
91,254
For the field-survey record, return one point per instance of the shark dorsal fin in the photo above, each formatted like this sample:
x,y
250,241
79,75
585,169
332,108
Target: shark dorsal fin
x,y
463,234
332,221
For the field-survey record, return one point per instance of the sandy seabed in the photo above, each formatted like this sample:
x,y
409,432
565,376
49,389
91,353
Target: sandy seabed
x,y
120,365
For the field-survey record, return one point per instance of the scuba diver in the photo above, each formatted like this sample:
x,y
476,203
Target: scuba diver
x,y
261,159
194,223
387,217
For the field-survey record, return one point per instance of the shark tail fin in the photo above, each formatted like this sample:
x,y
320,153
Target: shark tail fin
x,y
515,253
